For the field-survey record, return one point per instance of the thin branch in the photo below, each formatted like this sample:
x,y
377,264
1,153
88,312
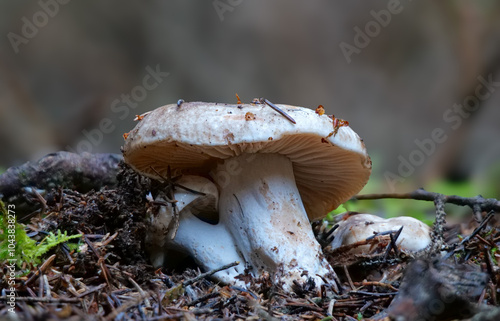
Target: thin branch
x,y
92,290
373,293
209,273
485,204
479,228
203,298
351,284
41,269
439,223
392,244
124,307
38,299
460,246
279,110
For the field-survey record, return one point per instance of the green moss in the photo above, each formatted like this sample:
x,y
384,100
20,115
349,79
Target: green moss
x,y
493,257
21,247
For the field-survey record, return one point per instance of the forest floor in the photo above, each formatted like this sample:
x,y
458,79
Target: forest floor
x,y
110,277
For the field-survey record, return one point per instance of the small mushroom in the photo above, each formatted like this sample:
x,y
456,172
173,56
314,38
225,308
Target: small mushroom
x,y
268,189
414,237
211,246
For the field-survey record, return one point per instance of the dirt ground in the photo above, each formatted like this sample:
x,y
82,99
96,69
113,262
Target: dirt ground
x,y
111,278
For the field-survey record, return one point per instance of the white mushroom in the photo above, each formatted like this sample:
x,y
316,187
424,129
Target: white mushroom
x,y
414,237
211,246
272,175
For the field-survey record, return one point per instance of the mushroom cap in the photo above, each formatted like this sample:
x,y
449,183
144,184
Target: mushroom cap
x,y
329,167
414,237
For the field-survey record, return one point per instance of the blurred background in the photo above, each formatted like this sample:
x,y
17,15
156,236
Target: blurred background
x,y
417,80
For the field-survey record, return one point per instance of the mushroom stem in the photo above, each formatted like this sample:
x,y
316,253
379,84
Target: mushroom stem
x,y
261,206
211,246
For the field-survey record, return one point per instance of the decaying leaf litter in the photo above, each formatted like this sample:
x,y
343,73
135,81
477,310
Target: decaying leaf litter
x,y
111,278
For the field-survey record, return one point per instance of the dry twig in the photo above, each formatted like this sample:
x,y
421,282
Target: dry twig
x,y
484,204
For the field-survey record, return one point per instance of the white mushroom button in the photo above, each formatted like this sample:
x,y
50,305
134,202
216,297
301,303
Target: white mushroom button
x,y
414,237
269,189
